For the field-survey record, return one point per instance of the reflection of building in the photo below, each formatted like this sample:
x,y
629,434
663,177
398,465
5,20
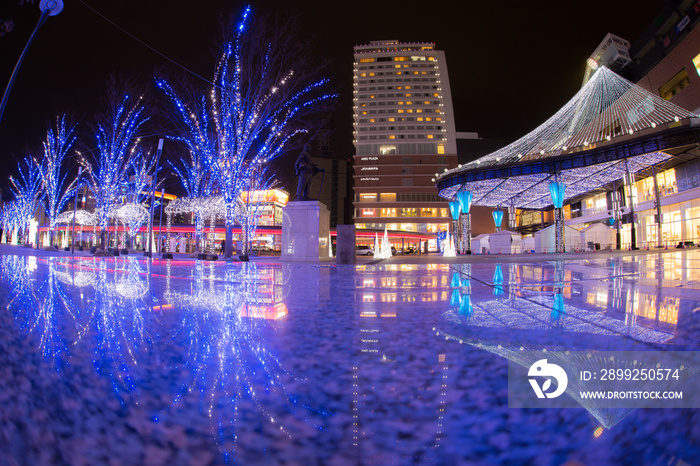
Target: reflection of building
x,y
404,135
384,371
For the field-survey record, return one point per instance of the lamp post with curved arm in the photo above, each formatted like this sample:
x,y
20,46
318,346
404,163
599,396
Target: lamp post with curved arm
x,y
48,8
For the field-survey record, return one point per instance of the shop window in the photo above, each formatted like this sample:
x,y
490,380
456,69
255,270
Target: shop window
x,y
674,85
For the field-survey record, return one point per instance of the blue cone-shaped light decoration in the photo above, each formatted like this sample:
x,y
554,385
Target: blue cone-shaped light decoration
x,y
556,189
465,201
465,308
558,306
497,218
456,281
456,299
454,209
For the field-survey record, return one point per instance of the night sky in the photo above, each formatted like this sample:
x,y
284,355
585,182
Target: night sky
x,y
511,64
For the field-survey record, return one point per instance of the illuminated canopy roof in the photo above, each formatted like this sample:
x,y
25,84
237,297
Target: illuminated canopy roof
x,y
608,123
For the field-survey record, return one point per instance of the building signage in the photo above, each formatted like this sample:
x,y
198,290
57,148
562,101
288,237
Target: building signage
x,y
684,22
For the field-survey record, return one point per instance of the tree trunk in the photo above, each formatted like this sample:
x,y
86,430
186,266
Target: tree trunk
x,y
228,253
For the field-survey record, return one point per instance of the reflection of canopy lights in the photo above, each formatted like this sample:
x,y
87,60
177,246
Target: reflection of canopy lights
x,y
532,315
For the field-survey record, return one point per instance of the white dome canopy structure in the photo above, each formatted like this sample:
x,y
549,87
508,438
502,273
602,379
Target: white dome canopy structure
x,y
609,127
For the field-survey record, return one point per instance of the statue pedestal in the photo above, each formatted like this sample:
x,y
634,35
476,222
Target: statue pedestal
x,y
305,232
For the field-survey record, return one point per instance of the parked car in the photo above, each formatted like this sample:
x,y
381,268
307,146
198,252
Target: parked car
x,y
363,250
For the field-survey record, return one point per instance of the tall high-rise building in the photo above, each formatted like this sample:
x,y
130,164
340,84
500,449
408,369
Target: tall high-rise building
x,y
404,133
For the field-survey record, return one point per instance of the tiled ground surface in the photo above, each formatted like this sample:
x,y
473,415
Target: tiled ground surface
x,y
122,361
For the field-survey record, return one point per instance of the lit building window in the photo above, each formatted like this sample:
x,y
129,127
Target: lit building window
x,y
674,85
696,62
440,148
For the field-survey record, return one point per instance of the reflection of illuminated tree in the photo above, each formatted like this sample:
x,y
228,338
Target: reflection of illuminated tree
x,y
223,329
42,307
111,309
117,312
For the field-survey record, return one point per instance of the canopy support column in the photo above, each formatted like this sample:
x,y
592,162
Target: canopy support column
x,y
556,190
465,240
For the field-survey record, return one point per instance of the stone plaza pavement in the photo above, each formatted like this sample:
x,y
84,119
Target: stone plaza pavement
x,y
400,361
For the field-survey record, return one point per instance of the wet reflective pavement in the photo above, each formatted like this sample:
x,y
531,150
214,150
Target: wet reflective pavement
x,y
122,361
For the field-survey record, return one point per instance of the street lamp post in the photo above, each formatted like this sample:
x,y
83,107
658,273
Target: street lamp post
x,y
75,208
153,198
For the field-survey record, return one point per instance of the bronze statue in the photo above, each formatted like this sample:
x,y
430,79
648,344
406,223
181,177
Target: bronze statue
x,y
305,169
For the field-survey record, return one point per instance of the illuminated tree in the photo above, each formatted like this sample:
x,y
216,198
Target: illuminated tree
x,y
27,191
56,193
197,181
264,92
117,144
